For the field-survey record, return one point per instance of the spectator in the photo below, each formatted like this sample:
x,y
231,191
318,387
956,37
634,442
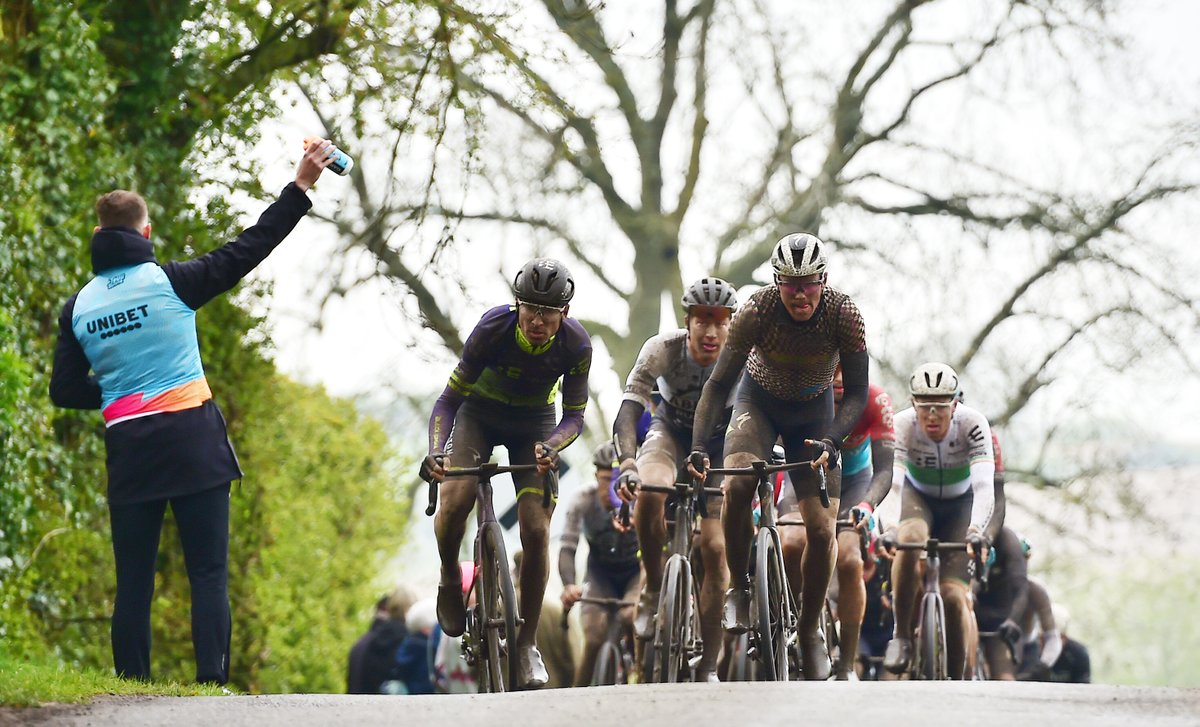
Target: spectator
x,y
373,657
414,658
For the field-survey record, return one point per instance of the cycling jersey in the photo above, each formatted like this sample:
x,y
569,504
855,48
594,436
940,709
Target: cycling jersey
x,y
609,550
875,424
788,361
499,365
960,464
665,361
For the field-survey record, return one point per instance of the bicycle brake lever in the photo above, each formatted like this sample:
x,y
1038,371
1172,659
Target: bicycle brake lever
x,y
823,487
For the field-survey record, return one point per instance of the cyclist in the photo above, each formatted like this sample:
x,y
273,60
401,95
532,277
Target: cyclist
x,y
1037,655
502,393
944,467
1005,595
679,363
789,337
866,478
612,564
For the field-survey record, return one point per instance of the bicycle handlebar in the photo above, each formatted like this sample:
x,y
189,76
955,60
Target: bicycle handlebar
x,y
680,488
759,468
611,603
931,545
486,471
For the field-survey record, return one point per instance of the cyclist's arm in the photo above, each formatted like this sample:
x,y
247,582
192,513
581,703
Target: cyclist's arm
x,y
883,454
854,395
639,387
883,446
71,386
569,543
574,402
983,472
466,373
1018,572
625,429
200,280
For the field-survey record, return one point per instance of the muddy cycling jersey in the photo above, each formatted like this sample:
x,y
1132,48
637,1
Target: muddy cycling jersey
x,y
875,424
961,463
792,360
501,366
787,361
664,361
609,550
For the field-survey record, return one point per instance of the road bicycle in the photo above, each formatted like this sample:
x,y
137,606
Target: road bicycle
x,y
675,647
929,659
489,642
614,661
773,611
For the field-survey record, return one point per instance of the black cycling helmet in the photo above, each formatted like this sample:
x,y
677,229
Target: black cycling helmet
x,y
710,291
605,456
544,281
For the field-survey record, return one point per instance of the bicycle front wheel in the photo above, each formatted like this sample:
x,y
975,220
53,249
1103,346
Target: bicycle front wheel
x,y
607,663
675,623
932,643
498,604
772,614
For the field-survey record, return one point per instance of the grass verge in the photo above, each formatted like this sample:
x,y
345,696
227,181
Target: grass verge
x,y
30,682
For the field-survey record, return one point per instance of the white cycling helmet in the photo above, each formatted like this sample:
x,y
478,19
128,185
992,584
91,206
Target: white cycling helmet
x,y
799,254
933,379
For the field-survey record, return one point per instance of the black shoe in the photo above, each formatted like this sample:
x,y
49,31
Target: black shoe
x,y
898,656
736,616
451,611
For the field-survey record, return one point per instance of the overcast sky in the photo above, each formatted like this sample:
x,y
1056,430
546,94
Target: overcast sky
x,y
366,344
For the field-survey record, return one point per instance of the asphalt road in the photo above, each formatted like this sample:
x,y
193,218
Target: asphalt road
x,y
969,704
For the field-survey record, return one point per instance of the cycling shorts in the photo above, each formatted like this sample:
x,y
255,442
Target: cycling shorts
x,y
668,446
479,427
760,418
948,521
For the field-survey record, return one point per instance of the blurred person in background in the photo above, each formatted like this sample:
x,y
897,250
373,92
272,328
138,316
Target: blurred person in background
x,y
373,657
414,658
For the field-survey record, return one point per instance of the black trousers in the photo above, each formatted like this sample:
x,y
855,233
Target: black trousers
x,y
203,520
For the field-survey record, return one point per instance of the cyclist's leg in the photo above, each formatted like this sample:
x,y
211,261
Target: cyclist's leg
x,y
711,545
534,522
951,519
520,436
750,436
595,626
792,538
469,445
817,565
852,592
657,466
1000,660
915,520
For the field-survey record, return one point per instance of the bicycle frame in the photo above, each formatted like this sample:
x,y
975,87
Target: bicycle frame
x,y
771,640
496,608
932,607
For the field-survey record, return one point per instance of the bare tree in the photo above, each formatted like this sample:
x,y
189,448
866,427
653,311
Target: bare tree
x,y
646,143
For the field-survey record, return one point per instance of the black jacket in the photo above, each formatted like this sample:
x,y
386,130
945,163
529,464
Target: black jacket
x,y
182,452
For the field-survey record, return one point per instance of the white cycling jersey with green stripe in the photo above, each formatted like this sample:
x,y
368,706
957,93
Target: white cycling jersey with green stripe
x,y
963,461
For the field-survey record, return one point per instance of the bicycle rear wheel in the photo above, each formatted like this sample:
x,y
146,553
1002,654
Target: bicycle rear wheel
x,y
498,605
674,623
932,639
772,614
607,663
